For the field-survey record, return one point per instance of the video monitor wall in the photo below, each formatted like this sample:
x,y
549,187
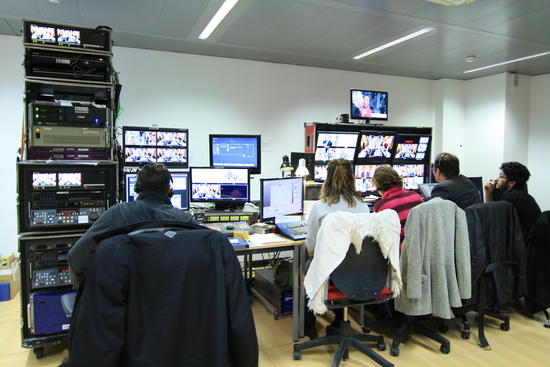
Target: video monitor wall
x,y
180,189
144,145
281,196
236,151
335,145
219,184
368,105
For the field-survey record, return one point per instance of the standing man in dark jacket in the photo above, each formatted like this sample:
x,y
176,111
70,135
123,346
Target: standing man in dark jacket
x,y
451,185
511,186
153,184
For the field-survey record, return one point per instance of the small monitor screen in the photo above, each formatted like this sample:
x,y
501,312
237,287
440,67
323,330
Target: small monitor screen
x,y
219,184
142,138
172,139
375,147
69,179
320,172
363,177
412,148
68,37
163,145
412,174
131,195
368,105
236,151
171,155
180,189
281,196
40,179
335,145
140,155
42,34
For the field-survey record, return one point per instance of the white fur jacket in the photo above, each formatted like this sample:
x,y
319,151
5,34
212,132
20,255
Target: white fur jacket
x,y
337,231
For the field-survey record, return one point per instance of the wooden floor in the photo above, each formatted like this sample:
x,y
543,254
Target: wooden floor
x,y
527,344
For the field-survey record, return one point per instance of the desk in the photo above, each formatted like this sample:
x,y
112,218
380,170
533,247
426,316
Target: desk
x,y
298,292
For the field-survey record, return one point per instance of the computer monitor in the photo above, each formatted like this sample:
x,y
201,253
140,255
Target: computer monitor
x,y
425,190
374,147
281,196
368,105
478,182
236,151
412,148
412,174
363,177
320,172
180,189
335,145
143,145
225,187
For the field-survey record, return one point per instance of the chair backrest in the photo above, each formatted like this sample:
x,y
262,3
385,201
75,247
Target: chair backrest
x,y
362,276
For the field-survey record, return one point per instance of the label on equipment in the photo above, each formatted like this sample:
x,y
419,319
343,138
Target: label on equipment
x,y
82,219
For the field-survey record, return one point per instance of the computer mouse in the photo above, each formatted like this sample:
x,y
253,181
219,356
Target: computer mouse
x,y
229,227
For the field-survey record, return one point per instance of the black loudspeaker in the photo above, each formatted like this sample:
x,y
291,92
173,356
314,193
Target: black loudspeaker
x,y
343,118
310,162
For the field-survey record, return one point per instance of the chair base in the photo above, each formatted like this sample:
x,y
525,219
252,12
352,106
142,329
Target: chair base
x,y
483,343
345,339
412,326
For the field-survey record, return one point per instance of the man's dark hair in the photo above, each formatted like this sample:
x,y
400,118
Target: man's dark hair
x,y
153,178
515,171
448,164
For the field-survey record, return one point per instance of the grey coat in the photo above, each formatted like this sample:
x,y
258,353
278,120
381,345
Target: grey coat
x,y
435,260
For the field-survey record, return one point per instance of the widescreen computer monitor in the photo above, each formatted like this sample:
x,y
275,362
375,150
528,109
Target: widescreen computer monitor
x,y
412,174
143,145
221,186
236,151
374,147
180,189
412,148
363,177
368,105
478,182
335,145
281,196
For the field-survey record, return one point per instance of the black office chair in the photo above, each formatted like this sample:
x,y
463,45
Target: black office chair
x,y
359,280
497,252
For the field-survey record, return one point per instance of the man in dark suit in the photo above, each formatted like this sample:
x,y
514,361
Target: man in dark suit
x,y
451,185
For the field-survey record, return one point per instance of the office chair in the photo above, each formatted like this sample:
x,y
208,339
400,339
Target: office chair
x,y
498,260
359,280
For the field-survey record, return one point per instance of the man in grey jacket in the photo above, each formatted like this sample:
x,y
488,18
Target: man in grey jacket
x,y
153,184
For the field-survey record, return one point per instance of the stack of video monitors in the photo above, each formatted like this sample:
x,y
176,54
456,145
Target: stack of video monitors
x,y
144,145
409,154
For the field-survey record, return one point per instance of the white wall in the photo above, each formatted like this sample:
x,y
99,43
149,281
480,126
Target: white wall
x,y
484,126
539,140
216,95
450,130
516,129
11,105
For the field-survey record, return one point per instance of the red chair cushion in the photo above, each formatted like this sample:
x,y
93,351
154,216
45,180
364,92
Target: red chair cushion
x,y
334,293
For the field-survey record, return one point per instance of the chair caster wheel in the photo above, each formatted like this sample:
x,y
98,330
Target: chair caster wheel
x,y
465,335
443,328
394,352
38,352
505,327
382,346
366,329
445,349
297,355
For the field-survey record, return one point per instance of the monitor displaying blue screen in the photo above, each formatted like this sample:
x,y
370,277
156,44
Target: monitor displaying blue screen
x,y
219,184
236,151
180,189
281,196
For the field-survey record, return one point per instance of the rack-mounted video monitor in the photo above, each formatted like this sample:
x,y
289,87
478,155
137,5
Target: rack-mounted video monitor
x,y
221,186
412,148
412,174
374,147
143,145
363,177
236,151
335,145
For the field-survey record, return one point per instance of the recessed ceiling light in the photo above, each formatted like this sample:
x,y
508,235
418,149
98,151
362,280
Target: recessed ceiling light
x,y
395,42
217,18
55,1
470,58
507,62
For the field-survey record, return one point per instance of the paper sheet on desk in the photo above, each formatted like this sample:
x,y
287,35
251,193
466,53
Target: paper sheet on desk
x,y
264,239
287,218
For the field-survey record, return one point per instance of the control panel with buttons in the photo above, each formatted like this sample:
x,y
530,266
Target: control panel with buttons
x,y
54,277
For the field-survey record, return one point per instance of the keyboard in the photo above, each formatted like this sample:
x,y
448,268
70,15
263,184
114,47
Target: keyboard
x,y
293,230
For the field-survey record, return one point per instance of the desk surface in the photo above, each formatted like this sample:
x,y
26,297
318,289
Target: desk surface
x,y
285,242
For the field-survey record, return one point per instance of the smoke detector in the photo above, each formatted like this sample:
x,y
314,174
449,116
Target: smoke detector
x,y
451,2
470,58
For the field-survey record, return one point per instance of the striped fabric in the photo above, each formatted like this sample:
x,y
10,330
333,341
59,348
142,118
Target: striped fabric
x,y
402,202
